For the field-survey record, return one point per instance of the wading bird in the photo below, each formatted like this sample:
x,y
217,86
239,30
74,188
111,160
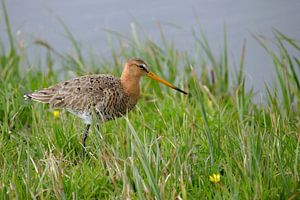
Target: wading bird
x,y
107,96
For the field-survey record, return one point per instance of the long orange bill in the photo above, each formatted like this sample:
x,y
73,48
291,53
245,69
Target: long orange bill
x,y
157,78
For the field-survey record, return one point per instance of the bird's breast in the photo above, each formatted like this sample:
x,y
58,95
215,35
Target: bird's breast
x,y
114,105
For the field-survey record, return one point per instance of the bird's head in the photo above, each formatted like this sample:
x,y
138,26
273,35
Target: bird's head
x,y
137,68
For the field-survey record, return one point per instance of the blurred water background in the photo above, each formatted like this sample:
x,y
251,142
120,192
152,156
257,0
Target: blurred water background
x,y
88,21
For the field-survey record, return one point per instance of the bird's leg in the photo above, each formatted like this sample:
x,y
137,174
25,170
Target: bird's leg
x,y
98,127
84,137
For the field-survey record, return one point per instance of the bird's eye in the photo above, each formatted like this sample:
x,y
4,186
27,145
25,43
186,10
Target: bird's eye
x,y
142,66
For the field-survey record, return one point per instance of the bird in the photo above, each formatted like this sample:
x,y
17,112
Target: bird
x,y
102,95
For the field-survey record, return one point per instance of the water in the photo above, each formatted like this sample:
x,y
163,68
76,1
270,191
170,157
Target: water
x,y
88,19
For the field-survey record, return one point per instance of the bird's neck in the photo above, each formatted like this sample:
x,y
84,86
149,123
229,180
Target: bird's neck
x,y
131,85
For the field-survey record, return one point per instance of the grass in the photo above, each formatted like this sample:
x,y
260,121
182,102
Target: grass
x,y
170,144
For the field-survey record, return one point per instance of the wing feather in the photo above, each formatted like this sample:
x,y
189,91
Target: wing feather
x,y
79,94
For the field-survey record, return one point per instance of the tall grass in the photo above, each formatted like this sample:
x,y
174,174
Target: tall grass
x,y
170,144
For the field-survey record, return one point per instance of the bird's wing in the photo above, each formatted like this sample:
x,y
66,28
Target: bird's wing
x,y
77,94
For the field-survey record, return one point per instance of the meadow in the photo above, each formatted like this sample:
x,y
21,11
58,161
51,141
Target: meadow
x,y
214,143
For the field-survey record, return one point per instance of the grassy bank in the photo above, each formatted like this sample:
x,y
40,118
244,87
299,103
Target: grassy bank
x,y
170,144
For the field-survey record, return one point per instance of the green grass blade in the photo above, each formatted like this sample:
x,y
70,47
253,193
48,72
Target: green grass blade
x,y
144,159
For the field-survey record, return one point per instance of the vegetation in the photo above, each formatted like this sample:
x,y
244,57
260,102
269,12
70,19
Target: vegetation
x,y
215,143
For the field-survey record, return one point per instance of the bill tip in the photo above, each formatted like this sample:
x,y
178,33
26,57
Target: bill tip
x,y
179,90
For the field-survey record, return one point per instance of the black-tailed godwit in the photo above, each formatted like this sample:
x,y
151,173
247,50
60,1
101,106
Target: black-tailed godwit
x,y
107,96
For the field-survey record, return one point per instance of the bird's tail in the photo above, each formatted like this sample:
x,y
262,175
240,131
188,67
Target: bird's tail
x,y
42,96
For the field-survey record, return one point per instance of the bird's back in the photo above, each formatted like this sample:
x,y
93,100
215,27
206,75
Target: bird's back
x,y
101,93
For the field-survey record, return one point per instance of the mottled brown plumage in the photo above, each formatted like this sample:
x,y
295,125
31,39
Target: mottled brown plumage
x,y
105,95
102,94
